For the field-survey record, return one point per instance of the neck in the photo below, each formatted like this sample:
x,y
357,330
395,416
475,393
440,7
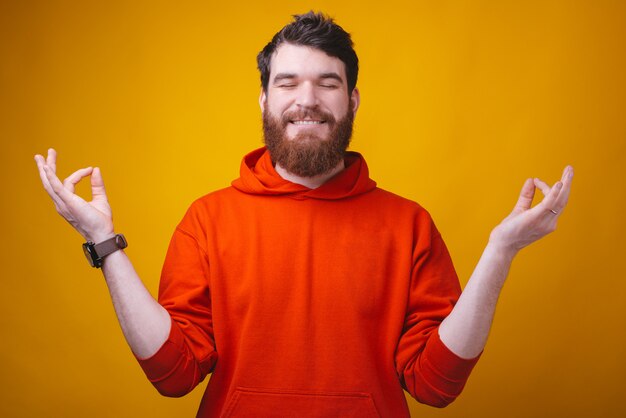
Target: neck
x,y
310,182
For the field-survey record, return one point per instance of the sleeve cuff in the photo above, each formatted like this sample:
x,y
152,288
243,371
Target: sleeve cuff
x,y
162,363
447,371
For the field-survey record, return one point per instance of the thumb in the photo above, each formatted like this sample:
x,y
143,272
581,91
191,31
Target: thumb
x,y
525,197
97,185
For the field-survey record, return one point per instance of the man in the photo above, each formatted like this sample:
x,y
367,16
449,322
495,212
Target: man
x,y
303,288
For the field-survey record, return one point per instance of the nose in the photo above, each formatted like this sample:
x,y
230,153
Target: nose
x,y
307,95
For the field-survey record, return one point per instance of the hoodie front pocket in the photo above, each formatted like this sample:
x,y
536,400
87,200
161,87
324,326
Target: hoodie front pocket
x,y
282,403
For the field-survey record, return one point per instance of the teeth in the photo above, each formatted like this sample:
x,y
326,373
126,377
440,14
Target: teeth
x,y
307,122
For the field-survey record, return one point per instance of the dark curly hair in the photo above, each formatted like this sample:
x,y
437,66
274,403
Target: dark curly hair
x,y
315,30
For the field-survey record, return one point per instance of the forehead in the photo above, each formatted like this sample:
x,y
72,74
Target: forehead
x,y
304,61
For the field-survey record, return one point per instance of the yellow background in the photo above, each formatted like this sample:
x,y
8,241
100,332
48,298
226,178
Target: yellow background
x,y
461,101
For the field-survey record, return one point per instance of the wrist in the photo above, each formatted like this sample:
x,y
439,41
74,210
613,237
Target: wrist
x,y
507,252
99,237
97,252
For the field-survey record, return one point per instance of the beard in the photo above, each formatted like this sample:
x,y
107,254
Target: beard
x,y
307,154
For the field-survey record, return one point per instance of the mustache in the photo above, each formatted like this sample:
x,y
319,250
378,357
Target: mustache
x,y
307,113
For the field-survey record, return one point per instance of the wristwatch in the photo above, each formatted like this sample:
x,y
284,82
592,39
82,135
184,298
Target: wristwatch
x,y
95,253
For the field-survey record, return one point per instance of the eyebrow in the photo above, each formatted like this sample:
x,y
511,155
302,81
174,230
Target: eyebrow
x,y
333,76
283,76
289,76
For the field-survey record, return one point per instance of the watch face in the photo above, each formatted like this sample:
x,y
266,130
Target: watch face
x,y
88,250
120,241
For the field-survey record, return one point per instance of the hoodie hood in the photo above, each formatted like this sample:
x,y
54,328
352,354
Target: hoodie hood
x,y
258,176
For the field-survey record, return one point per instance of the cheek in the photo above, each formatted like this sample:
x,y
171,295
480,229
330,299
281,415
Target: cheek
x,y
337,101
276,107
339,108
278,100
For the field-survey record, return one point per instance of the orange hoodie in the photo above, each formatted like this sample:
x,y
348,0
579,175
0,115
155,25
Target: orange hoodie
x,y
307,303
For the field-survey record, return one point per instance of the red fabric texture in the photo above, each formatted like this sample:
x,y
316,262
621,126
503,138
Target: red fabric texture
x,y
308,303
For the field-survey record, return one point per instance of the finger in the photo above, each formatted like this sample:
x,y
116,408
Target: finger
x,y
41,163
543,186
45,173
57,187
568,173
563,197
52,159
549,202
70,182
526,196
97,185
39,160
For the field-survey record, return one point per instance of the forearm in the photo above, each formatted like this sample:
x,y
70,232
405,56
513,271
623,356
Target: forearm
x,y
145,323
466,328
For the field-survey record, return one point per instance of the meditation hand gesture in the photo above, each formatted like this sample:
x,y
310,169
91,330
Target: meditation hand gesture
x,y
93,220
526,225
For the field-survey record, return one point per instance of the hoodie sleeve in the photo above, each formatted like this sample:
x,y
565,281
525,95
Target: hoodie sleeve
x,y
189,353
428,370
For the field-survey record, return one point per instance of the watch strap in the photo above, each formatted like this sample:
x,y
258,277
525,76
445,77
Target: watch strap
x,y
96,253
110,245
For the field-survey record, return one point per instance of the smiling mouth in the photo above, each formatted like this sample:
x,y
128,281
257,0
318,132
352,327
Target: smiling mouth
x,y
307,122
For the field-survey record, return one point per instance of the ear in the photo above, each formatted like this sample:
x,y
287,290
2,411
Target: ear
x,y
355,98
262,99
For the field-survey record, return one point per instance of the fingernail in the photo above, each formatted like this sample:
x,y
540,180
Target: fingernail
x,y
558,185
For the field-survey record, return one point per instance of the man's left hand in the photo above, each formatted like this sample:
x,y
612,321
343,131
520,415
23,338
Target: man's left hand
x,y
527,224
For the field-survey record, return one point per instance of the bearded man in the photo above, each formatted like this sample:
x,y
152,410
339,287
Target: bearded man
x,y
304,288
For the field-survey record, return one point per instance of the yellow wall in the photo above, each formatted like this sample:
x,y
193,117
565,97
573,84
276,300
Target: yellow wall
x,y
461,101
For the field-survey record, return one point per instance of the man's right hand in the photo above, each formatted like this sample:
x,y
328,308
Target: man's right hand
x,y
93,220
145,323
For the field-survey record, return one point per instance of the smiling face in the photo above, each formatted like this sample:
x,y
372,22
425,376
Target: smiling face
x,y
307,110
